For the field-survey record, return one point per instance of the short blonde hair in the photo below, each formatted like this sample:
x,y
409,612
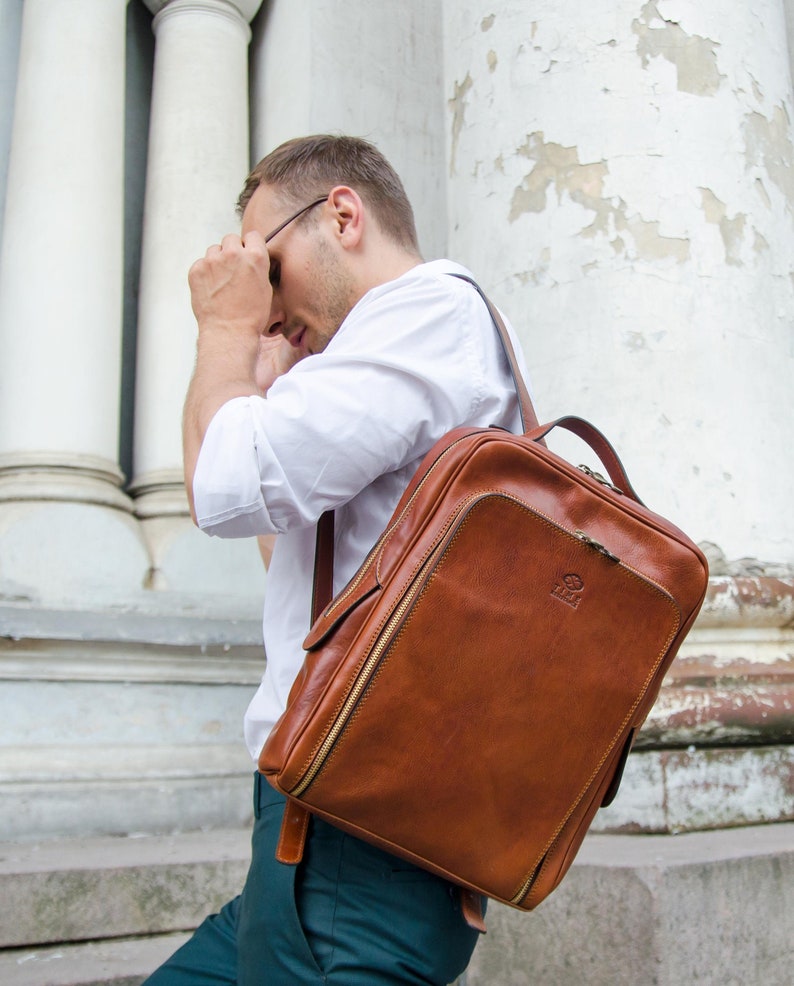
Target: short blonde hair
x,y
307,167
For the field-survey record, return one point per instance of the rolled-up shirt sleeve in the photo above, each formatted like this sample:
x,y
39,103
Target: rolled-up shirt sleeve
x,y
227,485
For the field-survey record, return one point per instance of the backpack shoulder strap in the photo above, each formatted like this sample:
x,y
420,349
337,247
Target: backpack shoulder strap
x,y
529,419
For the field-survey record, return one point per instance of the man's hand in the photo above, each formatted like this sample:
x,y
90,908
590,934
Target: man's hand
x,y
230,287
232,299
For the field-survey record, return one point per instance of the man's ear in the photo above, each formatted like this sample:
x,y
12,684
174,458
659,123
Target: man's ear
x,y
349,215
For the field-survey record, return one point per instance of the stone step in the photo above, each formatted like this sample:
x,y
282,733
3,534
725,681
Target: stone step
x,y
124,962
107,911
116,962
89,889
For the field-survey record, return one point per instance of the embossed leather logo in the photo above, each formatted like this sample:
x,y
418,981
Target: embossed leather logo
x,y
569,589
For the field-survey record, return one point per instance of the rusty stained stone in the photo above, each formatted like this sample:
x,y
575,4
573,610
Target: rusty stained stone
x,y
734,684
721,716
699,789
748,601
708,672
709,701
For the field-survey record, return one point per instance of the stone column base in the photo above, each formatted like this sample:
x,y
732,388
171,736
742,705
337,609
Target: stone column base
x,y
66,554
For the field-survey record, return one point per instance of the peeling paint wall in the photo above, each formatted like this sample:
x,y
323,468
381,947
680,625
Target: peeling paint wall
x,y
620,178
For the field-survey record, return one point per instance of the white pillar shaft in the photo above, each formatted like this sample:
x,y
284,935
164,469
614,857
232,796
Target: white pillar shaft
x,y
61,267
621,177
198,158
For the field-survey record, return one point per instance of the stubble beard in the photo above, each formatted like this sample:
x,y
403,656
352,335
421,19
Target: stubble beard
x,y
334,296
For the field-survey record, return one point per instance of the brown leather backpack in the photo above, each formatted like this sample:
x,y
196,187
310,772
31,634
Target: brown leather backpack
x,y
468,701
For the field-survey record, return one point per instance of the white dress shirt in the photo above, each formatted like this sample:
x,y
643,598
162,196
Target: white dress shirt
x,y
346,429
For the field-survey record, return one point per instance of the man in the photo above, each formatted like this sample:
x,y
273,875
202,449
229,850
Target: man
x,y
330,359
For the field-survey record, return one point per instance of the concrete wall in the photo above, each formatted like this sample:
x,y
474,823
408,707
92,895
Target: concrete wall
x,y
576,161
618,175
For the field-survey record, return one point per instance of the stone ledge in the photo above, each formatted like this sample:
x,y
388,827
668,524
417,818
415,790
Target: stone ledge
x,y
705,907
121,808
124,962
712,907
84,889
168,619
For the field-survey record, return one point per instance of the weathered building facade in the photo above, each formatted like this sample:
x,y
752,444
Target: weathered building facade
x,y
619,175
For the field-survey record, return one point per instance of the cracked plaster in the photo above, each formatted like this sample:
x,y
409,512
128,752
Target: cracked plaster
x,y
694,57
583,183
731,230
768,145
457,105
658,129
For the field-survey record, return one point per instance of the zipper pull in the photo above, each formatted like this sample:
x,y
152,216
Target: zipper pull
x,y
597,545
600,479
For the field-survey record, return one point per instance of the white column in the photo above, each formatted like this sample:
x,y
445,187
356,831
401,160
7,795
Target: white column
x,y
61,267
67,536
198,160
621,179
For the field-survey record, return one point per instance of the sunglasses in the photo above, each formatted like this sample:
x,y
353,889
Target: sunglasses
x,y
286,222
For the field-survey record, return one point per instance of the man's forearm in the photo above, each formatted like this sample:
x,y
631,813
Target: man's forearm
x,y
225,369
236,357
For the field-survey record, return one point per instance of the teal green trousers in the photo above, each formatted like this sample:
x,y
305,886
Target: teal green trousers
x,y
348,915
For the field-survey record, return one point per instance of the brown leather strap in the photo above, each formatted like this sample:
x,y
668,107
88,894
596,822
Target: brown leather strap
x,y
323,588
599,443
295,823
292,837
471,909
529,419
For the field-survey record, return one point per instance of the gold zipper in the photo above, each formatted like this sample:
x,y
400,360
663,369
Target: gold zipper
x,y
525,888
357,689
375,654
